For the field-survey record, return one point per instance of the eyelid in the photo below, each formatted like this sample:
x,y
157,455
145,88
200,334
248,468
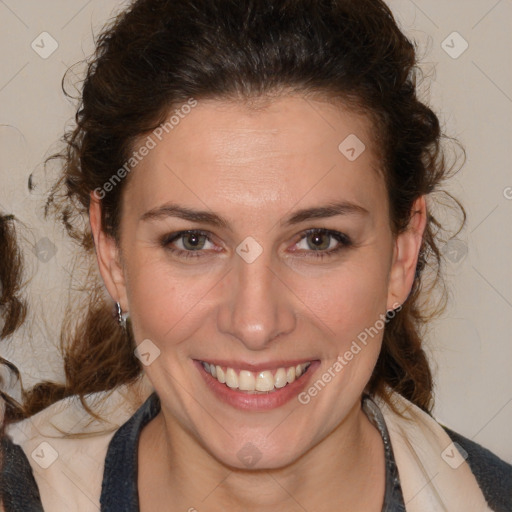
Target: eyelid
x,y
344,242
171,237
337,235
168,239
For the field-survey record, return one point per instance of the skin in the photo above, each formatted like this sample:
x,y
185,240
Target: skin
x,y
255,168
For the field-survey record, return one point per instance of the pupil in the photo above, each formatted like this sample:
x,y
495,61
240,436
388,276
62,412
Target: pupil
x,y
193,240
317,240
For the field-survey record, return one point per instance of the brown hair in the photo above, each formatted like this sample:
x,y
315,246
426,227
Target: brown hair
x,y
13,308
158,54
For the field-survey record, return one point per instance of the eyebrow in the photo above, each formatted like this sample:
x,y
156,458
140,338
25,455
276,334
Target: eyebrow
x,y
206,217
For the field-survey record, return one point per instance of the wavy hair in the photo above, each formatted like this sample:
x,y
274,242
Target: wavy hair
x,y
13,308
158,54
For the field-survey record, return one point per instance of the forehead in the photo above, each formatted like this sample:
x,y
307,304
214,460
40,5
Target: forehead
x,y
287,150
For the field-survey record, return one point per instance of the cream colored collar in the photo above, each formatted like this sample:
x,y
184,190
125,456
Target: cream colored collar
x,y
434,476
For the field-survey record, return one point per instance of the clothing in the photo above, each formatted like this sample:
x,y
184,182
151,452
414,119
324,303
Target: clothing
x,y
119,490
103,468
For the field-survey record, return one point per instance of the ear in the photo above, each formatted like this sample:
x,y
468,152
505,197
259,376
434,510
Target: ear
x,y
108,256
405,255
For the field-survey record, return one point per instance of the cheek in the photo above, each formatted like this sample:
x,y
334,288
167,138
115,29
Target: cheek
x,y
349,298
165,304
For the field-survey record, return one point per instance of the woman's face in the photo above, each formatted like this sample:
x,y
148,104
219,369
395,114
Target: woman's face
x,y
289,259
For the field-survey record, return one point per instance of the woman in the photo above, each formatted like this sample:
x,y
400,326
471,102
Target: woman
x,y
256,177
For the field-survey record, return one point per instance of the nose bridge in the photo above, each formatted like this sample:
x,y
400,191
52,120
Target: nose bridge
x,y
257,307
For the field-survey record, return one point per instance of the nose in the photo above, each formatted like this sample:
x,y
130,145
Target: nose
x,y
258,306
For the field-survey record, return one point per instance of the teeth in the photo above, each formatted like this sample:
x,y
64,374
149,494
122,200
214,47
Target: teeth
x,y
221,376
280,378
263,381
246,381
231,378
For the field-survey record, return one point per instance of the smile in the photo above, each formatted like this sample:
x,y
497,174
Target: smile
x,y
264,381
252,387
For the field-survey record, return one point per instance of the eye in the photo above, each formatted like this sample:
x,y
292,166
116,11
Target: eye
x,y
323,242
317,242
188,243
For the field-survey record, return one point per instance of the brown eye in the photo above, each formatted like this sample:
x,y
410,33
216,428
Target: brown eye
x,y
323,242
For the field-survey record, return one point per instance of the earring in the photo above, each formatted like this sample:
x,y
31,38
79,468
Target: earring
x,y
391,313
121,317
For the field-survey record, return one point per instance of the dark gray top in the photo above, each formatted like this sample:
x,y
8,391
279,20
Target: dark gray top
x,y
119,488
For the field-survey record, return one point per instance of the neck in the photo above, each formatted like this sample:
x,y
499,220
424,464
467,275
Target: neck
x,y
191,478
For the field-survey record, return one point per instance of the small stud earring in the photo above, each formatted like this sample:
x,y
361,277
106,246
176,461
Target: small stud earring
x,y
121,317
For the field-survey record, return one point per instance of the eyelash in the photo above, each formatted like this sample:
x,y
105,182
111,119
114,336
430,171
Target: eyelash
x,y
343,240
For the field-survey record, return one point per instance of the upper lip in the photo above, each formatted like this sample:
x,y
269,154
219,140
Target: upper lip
x,y
256,367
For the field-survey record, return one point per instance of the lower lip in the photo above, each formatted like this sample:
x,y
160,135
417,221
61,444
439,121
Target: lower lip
x,y
257,402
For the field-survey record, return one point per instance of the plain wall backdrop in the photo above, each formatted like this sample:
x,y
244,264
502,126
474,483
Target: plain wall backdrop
x,y
465,48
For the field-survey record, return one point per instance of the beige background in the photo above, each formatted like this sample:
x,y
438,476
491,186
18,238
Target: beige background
x,y
470,346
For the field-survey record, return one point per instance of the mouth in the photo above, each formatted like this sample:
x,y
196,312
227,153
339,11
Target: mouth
x,y
264,381
256,388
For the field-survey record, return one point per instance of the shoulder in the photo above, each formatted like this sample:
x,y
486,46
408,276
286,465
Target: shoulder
x,y
494,475
59,453
18,487
422,441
